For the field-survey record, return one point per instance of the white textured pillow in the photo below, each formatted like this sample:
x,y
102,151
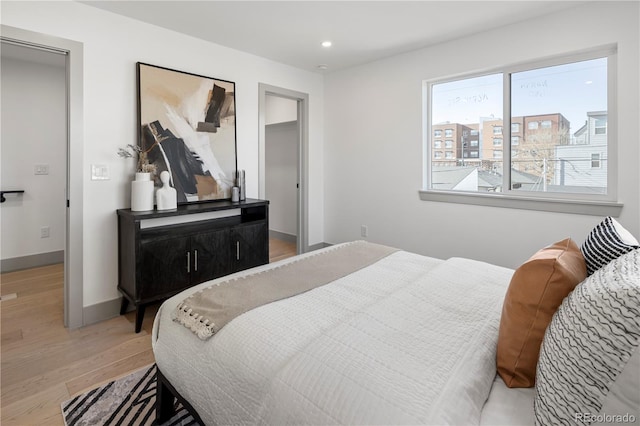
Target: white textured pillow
x,y
624,396
591,339
607,241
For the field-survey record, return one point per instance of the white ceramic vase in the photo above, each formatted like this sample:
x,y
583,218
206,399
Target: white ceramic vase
x,y
142,193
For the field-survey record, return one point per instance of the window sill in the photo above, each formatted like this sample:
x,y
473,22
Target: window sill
x,y
592,208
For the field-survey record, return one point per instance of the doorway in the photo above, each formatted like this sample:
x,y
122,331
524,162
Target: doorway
x,y
283,147
65,161
34,145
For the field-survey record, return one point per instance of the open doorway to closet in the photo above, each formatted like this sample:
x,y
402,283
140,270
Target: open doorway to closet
x,y
283,165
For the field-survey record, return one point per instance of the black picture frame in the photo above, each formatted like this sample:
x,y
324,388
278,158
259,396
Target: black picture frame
x,y
187,126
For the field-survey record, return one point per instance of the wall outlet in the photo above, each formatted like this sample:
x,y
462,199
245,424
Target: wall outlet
x,y
364,230
44,232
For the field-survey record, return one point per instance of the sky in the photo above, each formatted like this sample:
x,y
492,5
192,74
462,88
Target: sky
x,y
571,89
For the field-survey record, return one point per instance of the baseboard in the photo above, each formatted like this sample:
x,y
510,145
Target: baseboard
x,y
31,261
319,246
289,238
103,311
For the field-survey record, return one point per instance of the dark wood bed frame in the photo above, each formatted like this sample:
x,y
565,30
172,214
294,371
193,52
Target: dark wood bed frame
x,y
166,396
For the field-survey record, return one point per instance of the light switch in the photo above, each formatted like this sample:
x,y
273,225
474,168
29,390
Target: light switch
x,y
41,169
99,172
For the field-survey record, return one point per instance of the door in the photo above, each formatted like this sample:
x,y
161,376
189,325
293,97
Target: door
x,y
211,256
165,267
248,246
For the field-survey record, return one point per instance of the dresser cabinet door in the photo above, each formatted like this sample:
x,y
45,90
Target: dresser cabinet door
x,y
164,267
249,246
211,256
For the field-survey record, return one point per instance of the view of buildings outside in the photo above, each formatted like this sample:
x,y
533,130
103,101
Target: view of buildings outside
x,y
558,134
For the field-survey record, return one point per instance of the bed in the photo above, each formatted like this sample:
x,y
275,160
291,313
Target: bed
x,y
406,339
398,339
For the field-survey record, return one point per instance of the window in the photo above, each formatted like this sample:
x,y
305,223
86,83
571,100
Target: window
x,y
448,143
437,133
551,99
437,144
448,133
474,133
437,155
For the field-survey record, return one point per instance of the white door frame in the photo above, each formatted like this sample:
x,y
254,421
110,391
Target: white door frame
x,y
73,270
302,99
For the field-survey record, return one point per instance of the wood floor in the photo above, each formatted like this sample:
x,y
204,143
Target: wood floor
x,y
44,364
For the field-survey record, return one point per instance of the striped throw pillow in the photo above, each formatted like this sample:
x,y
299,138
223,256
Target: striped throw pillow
x,y
589,342
607,241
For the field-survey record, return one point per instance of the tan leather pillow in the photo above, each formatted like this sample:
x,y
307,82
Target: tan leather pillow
x,y
536,291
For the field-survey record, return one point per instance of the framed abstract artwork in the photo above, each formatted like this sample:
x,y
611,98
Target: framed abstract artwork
x,y
187,127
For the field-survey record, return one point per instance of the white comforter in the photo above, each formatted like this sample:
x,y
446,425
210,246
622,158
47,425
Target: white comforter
x,y
407,340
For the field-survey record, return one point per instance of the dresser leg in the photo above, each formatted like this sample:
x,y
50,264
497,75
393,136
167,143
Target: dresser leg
x,y
139,317
123,305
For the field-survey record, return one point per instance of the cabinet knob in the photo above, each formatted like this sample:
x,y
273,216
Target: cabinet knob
x,y
237,250
188,262
195,260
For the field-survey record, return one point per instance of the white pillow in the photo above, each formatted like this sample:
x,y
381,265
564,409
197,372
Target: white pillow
x,y
588,344
624,396
607,241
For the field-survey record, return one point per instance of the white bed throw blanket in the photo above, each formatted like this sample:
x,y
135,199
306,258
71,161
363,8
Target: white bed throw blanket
x,y
407,340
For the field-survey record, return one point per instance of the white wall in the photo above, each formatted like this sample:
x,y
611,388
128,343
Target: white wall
x,y
112,46
280,110
373,141
33,133
281,175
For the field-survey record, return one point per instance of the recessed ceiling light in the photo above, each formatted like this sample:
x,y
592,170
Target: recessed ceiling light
x,y
326,43
322,67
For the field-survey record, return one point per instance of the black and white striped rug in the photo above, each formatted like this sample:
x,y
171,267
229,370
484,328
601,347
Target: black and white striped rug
x,y
126,401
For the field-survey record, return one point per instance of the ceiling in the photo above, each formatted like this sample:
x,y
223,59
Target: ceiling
x,y
290,32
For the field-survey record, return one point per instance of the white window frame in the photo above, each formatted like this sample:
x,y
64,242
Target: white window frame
x,y
576,203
